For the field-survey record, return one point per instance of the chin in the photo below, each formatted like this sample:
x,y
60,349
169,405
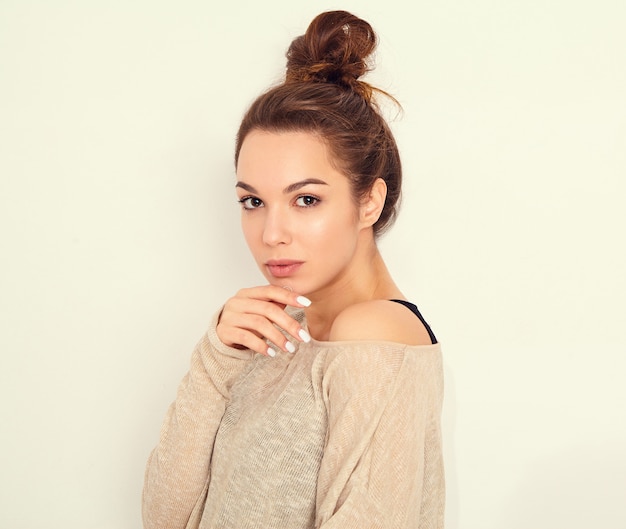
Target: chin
x,y
291,284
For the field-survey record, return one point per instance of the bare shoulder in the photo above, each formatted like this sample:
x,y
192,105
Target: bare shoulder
x,y
379,320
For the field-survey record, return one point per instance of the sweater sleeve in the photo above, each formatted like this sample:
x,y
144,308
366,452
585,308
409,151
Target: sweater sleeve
x,y
382,466
177,472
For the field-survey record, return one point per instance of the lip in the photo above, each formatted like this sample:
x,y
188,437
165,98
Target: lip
x,y
283,267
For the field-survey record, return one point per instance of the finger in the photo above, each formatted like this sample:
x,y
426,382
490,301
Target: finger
x,y
276,294
235,327
253,342
269,311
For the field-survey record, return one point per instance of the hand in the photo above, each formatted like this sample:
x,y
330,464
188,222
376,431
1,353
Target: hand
x,y
248,319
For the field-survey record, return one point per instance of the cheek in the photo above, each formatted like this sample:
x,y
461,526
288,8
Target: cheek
x,y
251,232
315,227
335,229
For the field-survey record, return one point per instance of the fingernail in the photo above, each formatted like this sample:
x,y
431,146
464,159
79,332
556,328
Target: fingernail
x,y
290,347
271,352
306,337
303,301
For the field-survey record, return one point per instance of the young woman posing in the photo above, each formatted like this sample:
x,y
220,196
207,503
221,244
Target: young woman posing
x,y
315,400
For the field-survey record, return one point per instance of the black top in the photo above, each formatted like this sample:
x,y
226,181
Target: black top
x,y
413,308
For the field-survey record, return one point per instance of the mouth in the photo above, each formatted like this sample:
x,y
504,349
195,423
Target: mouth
x,y
283,267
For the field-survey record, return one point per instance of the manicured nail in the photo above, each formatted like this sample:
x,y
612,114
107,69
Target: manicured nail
x,y
303,301
306,337
290,347
271,352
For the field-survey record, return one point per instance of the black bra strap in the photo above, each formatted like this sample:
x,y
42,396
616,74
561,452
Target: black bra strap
x,y
413,308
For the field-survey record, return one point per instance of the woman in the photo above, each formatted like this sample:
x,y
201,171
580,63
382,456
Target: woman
x,y
315,400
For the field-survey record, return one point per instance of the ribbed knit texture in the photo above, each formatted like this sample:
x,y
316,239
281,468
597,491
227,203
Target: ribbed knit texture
x,y
338,435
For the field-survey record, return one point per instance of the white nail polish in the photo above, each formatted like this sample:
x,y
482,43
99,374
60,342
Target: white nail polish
x,y
290,347
306,337
271,352
303,301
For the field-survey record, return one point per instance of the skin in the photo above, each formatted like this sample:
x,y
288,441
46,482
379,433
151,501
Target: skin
x,y
297,206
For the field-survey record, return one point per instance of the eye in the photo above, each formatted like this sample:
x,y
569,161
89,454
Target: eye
x,y
306,201
250,202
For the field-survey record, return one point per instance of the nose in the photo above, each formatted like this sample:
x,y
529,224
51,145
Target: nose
x,y
276,230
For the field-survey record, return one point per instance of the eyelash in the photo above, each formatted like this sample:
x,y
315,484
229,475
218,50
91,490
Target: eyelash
x,y
315,201
245,201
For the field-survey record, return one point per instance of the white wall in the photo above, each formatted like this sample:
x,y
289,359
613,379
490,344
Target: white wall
x,y
119,238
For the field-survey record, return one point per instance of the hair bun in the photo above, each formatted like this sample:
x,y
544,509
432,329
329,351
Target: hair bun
x,y
334,49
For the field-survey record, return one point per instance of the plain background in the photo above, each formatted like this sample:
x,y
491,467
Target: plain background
x,y
120,237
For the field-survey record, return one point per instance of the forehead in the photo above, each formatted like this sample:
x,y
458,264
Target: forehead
x,y
284,157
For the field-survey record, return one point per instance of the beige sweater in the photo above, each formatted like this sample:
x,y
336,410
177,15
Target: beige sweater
x,y
338,435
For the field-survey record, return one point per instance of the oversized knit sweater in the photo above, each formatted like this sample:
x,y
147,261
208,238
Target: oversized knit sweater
x,y
338,435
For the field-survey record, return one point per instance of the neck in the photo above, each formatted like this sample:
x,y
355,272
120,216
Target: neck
x,y
367,279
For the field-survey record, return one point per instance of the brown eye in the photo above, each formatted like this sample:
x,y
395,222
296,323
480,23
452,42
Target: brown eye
x,y
306,201
251,202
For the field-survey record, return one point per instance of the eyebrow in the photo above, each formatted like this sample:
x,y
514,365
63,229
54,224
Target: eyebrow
x,y
289,189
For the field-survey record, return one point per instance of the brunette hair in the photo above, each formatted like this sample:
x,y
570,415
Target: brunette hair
x,y
322,94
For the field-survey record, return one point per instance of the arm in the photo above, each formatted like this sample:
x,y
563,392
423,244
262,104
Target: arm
x,y
382,464
177,472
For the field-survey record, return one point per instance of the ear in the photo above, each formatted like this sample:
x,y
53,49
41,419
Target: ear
x,y
373,203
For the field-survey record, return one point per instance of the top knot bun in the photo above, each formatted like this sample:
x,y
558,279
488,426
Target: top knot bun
x,y
334,49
